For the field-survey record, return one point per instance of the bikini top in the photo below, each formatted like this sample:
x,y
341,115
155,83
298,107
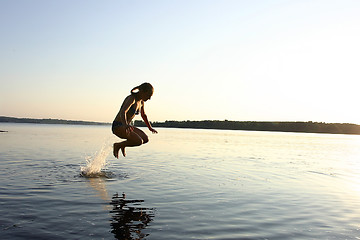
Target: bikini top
x,y
133,110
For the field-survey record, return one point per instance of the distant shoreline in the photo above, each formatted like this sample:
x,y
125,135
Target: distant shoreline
x,y
304,127
48,121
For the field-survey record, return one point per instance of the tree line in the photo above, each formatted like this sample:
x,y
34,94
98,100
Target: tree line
x,y
48,121
307,127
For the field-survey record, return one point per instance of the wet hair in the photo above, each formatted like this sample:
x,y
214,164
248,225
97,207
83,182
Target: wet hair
x,y
145,87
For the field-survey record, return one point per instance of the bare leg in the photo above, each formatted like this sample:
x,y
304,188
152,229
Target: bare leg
x,y
122,146
116,148
143,136
137,138
133,140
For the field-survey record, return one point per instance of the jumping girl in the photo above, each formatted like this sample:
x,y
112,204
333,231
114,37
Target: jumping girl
x,y
132,105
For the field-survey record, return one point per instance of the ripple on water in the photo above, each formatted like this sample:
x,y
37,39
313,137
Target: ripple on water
x,y
100,174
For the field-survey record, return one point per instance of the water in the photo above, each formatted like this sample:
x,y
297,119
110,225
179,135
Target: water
x,y
62,182
96,164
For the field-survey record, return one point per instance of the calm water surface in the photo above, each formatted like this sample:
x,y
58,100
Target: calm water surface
x,y
184,184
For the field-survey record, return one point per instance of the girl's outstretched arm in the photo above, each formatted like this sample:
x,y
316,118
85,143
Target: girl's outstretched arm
x,y
144,117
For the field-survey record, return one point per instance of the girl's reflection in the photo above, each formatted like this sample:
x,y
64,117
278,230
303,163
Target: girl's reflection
x,y
128,218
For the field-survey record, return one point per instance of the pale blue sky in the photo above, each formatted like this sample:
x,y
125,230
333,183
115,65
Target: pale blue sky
x,y
277,60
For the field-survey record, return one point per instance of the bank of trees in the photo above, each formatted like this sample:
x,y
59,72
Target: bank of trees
x,y
309,127
48,121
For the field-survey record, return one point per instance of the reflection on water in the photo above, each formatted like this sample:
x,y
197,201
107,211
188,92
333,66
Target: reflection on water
x,y
98,184
129,218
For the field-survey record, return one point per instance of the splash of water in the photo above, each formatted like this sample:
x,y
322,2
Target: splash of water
x,y
96,163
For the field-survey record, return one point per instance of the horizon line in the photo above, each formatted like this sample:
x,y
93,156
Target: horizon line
x,y
225,120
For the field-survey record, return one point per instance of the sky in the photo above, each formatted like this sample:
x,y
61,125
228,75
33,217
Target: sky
x,y
261,60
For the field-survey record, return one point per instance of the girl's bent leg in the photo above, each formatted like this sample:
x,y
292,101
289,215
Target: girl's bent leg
x,y
141,134
133,140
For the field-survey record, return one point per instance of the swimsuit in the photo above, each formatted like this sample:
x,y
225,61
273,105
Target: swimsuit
x,y
132,110
115,124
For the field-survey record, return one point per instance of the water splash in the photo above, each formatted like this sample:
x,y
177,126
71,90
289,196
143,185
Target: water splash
x,y
96,163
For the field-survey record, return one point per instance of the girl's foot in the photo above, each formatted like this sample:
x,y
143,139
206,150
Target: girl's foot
x,y
116,148
123,150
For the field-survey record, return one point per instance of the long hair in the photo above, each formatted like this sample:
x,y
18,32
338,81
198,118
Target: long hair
x,y
145,87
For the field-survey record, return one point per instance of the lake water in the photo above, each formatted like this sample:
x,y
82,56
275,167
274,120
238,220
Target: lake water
x,y
183,184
